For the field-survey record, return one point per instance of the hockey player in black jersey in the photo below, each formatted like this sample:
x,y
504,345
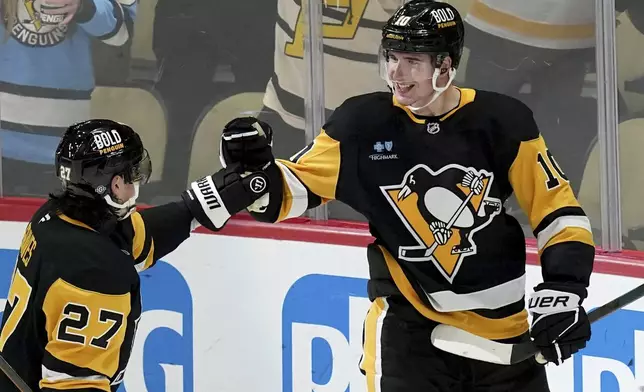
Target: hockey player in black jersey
x,y
430,166
74,301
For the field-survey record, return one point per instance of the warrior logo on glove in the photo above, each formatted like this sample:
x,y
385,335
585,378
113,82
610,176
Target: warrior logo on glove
x,y
258,184
443,210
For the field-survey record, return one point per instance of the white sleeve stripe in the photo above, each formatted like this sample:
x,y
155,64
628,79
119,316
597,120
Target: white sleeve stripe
x,y
558,225
49,375
120,38
139,267
194,225
298,191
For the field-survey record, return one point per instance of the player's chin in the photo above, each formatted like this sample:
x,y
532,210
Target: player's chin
x,y
404,99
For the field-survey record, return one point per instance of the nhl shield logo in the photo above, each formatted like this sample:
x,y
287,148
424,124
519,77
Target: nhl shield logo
x,y
443,210
433,128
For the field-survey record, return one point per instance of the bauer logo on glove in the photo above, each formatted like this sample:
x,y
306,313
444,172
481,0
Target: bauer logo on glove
x,y
560,326
547,301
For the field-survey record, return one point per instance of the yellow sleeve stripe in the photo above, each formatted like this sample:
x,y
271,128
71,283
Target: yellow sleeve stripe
x,y
142,244
138,243
101,384
148,261
570,234
319,167
538,194
295,198
562,227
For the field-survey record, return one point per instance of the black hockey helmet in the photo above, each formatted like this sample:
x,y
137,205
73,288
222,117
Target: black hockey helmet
x,y
92,152
425,26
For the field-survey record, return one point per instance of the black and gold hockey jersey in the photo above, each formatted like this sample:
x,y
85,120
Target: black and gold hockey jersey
x,y
433,190
74,300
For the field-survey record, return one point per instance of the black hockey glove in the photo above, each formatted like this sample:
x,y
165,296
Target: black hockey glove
x,y
247,141
214,199
560,326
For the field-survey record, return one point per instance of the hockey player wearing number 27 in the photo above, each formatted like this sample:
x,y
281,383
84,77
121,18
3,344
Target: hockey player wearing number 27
x,y
430,166
74,301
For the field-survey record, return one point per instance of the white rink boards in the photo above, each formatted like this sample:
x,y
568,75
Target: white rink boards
x,y
233,313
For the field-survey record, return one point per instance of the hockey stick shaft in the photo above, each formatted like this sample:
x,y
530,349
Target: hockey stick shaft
x,y
616,304
13,376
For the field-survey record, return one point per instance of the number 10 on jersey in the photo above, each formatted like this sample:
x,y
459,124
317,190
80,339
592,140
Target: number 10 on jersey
x,y
549,165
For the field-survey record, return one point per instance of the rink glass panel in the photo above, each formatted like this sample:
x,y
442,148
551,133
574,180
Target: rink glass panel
x,y
191,68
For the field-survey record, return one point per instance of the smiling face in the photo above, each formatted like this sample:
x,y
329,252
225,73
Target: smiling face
x,y
411,77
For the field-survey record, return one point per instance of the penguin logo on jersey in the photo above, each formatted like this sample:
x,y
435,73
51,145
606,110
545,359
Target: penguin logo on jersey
x,y
443,210
38,24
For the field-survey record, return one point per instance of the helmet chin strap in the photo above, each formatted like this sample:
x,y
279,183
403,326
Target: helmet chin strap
x,y
125,209
437,90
